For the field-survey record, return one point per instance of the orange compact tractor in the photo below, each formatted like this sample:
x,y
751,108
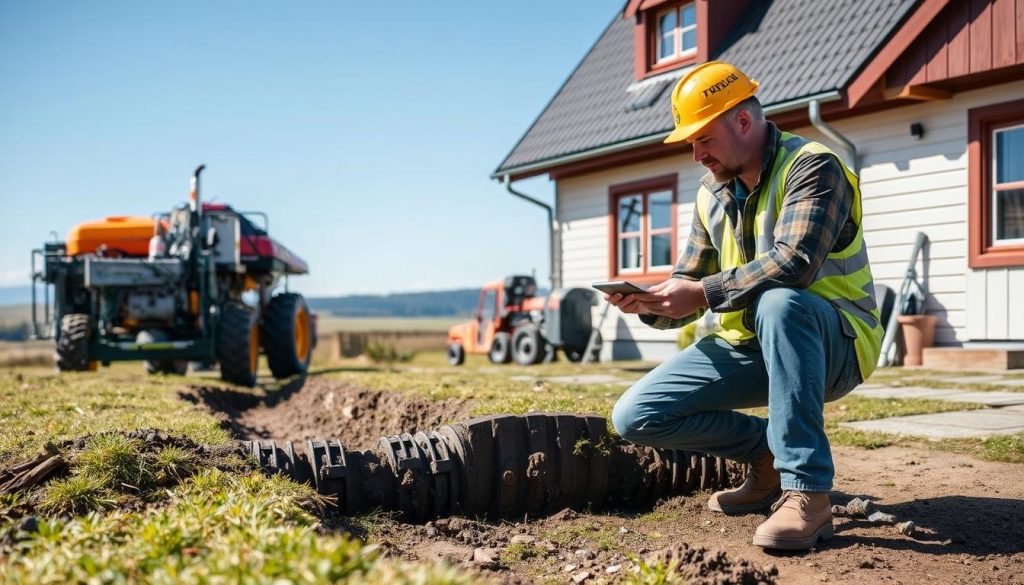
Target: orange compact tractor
x,y
172,288
513,323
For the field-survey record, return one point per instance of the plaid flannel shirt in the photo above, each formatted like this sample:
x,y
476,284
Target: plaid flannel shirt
x,y
815,219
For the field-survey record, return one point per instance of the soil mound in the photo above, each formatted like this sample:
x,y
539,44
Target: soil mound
x,y
318,408
700,566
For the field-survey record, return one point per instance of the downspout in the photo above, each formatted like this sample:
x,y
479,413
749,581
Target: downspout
x,y
556,269
814,113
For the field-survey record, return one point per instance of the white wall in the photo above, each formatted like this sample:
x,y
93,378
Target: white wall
x,y
912,185
908,185
583,215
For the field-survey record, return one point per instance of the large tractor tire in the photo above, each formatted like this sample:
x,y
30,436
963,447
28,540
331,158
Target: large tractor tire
x,y
456,354
527,345
72,353
287,335
174,367
238,345
501,348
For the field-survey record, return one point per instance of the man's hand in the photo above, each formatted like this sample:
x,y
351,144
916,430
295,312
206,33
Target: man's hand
x,y
675,298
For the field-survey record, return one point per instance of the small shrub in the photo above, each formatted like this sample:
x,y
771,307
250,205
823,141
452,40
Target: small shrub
x,y
384,352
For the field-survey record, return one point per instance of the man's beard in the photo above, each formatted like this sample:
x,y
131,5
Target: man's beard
x,y
725,174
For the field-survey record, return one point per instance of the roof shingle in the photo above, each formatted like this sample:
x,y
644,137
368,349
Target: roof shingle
x,y
794,48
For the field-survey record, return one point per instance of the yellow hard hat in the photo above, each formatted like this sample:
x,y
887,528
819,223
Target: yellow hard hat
x,y
704,93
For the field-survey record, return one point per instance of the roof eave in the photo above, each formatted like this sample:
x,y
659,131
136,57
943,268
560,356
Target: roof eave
x,y
542,166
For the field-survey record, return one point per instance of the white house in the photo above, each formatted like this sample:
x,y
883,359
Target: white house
x,y
929,95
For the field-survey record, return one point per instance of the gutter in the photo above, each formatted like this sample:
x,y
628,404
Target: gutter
x,y
779,108
814,113
556,269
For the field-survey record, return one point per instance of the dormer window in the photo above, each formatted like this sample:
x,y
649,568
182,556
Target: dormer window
x,y
672,34
677,33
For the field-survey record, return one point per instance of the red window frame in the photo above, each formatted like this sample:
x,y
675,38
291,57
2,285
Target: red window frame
x,y
643,188
648,34
982,124
678,53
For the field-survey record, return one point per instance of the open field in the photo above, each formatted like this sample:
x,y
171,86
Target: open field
x,y
174,511
15,314
327,324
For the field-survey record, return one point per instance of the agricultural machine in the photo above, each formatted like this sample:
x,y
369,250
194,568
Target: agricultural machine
x,y
512,323
169,290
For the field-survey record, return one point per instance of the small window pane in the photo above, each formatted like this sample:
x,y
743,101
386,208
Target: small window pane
x,y
667,27
629,253
631,209
1010,155
690,40
1009,214
661,250
689,15
660,204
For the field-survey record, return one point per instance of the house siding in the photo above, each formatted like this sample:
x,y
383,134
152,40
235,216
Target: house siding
x,y
908,185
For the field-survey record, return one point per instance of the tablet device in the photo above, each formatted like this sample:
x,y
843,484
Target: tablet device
x,y
618,286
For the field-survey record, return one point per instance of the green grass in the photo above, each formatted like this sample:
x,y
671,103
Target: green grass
x,y
127,512
218,527
38,406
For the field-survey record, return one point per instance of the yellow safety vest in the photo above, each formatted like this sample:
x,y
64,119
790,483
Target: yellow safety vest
x,y
844,278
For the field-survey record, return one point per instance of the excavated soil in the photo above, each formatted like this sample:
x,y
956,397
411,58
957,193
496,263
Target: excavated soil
x,y
968,514
319,408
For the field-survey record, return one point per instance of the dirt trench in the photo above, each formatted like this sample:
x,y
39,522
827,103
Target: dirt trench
x,y
318,408
969,514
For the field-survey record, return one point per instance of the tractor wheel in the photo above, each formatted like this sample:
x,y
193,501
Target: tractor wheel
x,y
527,345
72,353
176,367
501,348
287,335
575,354
238,345
456,354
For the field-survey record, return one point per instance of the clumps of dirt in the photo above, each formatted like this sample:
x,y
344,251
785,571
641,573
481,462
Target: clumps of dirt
x,y
320,408
703,567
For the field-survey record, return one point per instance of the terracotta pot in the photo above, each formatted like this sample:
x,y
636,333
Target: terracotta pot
x,y
918,333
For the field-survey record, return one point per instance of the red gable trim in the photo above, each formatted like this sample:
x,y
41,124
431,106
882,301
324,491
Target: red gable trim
x,y
635,6
896,46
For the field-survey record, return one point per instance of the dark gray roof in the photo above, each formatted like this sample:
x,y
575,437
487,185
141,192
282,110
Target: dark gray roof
x,y
794,48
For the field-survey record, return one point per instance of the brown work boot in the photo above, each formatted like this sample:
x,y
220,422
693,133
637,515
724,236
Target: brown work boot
x,y
761,488
798,521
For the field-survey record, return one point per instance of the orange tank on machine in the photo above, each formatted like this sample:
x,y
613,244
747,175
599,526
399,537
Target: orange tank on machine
x,y
124,235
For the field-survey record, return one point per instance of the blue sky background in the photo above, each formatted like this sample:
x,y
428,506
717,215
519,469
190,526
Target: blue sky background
x,y
366,130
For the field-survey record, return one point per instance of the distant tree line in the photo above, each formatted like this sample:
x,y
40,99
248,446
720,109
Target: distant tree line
x,y
423,304
445,303
15,331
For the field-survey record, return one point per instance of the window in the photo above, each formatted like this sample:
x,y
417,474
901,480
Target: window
x,y
677,33
996,177
643,228
1008,185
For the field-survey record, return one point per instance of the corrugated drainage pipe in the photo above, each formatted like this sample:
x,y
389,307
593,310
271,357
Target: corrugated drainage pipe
x,y
555,272
814,113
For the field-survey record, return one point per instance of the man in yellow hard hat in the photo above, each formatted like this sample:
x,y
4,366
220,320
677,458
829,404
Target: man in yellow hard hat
x,y
777,250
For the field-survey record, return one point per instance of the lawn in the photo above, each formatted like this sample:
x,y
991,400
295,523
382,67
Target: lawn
x,y
130,512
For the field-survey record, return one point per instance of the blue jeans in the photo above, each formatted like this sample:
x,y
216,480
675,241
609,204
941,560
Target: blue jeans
x,y
801,360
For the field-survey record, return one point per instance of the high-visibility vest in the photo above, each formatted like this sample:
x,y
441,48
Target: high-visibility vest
x,y
844,278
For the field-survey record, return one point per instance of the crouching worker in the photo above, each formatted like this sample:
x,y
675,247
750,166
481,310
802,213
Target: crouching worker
x,y
777,251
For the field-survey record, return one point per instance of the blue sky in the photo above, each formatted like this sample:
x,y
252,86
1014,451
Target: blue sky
x,y
366,130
